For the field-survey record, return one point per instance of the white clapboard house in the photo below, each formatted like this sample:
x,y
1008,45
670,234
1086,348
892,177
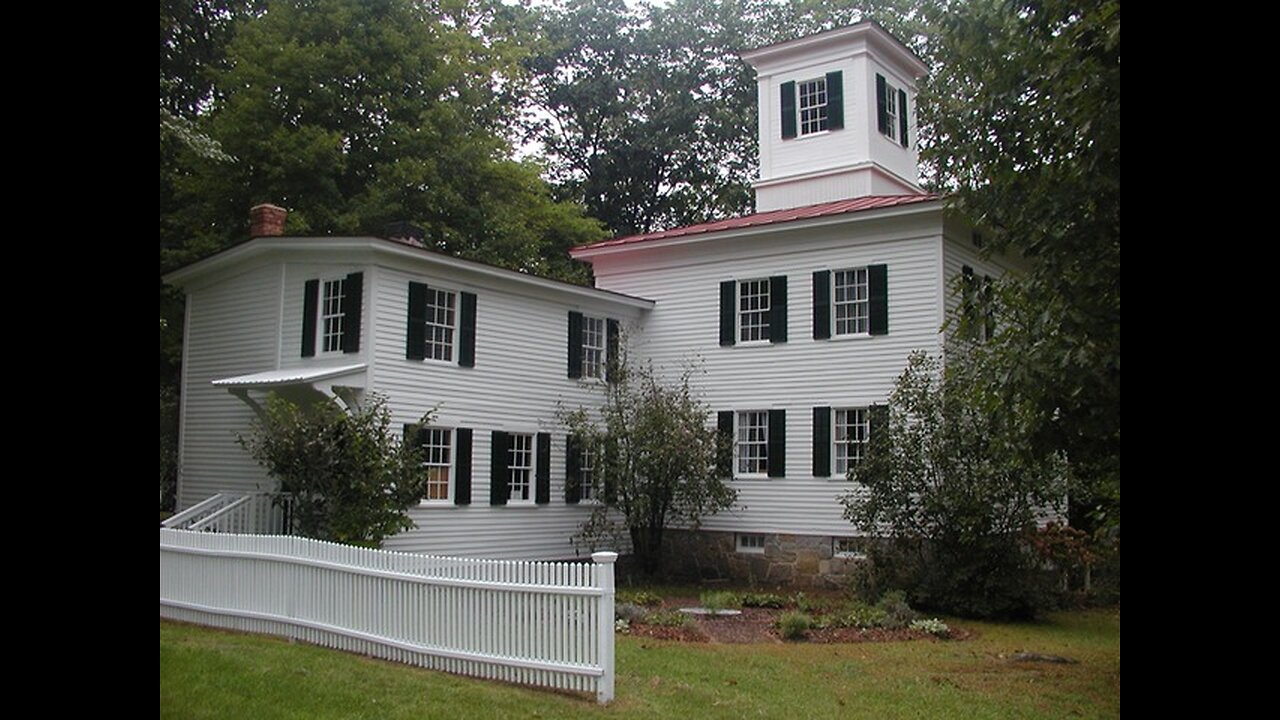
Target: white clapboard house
x,y
801,315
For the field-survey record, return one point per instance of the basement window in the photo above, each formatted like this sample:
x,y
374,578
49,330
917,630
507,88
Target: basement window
x,y
750,543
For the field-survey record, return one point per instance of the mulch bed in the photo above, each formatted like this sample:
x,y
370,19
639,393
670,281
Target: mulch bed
x,y
756,625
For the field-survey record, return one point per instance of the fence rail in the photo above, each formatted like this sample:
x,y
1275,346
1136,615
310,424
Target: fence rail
x,y
536,623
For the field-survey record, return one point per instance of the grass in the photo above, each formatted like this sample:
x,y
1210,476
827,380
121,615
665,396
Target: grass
x,y
214,674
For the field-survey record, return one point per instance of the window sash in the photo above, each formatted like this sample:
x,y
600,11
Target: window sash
x,y
753,310
442,318
851,301
331,316
586,474
891,109
593,347
849,438
520,467
437,450
813,106
752,446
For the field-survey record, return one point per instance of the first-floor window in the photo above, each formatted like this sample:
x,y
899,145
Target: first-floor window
x,y
520,466
850,438
437,451
331,316
586,474
752,446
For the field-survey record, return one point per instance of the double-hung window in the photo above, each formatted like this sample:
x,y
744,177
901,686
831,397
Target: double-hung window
x,y
437,461
520,467
586,474
331,314
850,438
891,111
753,310
441,323
752,444
593,347
813,105
850,301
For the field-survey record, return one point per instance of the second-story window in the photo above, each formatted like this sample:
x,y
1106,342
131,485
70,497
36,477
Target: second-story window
x,y
593,347
441,321
753,310
331,316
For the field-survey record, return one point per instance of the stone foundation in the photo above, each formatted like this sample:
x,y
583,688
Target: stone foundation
x,y
804,561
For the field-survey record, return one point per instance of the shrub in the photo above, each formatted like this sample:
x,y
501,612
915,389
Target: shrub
x,y
720,600
897,613
808,604
860,615
794,625
933,626
630,612
640,597
667,618
763,600
622,626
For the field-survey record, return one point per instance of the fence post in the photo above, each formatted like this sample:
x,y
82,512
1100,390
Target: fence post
x,y
604,561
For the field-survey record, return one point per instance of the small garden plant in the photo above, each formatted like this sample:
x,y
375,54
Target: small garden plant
x,y
794,625
720,600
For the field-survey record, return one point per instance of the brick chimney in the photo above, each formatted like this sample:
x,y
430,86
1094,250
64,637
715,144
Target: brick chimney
x,y
267,220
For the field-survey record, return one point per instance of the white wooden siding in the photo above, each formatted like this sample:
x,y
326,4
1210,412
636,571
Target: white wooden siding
x,y
519,384
801,373
231,330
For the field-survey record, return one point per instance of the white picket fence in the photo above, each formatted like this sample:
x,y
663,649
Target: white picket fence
x,y
535,623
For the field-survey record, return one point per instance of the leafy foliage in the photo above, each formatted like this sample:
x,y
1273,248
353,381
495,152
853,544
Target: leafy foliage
x,y
1020,121
794,625
348,476
951,484
716,600
655,461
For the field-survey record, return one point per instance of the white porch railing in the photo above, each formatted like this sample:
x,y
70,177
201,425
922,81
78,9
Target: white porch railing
x,y
254,513
536,623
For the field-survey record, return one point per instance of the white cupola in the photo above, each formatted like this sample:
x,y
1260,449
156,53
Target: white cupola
x,y
837,117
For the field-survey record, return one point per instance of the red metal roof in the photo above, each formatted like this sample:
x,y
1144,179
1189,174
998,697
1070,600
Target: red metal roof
x,y
838,207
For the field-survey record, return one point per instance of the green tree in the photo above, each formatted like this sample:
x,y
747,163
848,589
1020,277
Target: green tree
x,y
1020,123
956,493
653,460
347,474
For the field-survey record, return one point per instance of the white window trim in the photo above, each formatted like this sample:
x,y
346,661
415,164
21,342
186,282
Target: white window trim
x,y
738,539
321,315
737,416
586,485
453,468
738,311
457,312
835,441
532,467
604,348
866,302
891,95
800,108
836,552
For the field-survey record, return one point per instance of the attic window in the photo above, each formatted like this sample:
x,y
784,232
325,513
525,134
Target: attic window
x,y
813,106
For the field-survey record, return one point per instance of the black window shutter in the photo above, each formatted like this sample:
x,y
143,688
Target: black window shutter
x,y
467,331
613,363
968,304
499,473
310,307
821,304
542,470
778,309
415,336
788,110
835,100
728,309
462,467
877,420
777,443
572,470
575,344
882,112
724,428
878,298
902,117
352,299
822,442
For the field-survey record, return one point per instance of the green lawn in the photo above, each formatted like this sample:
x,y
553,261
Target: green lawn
x,y
214,674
